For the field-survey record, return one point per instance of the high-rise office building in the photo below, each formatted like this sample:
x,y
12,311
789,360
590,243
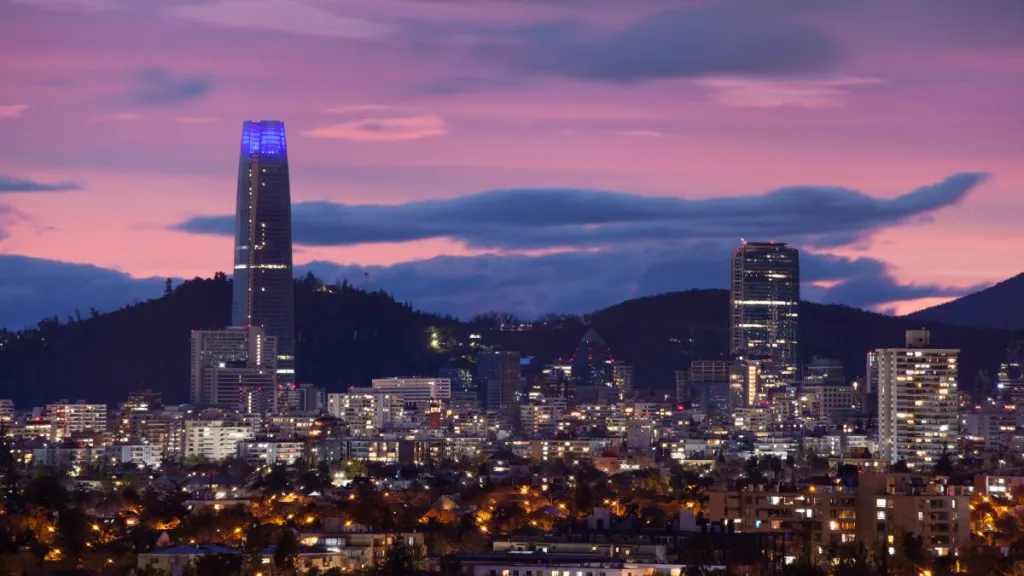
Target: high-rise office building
x,y
764,306
917,401
234,368
263,283
499,377
592,362
1010,385
464,392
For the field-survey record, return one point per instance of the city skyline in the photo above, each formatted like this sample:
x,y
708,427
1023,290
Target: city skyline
x,y
477,153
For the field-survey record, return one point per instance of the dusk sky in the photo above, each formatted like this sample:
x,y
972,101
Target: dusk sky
x,y
525,155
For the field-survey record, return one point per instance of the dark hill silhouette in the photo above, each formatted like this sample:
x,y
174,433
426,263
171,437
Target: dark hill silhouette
x,y
346,336
661,333
1000,306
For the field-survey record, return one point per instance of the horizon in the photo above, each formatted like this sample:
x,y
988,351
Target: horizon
x,y
500,159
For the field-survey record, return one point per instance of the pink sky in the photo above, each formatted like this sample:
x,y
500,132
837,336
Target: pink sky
x,y
914,98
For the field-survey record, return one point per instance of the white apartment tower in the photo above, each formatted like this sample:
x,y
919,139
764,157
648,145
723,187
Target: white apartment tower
x,y
214,439
917,401
419,391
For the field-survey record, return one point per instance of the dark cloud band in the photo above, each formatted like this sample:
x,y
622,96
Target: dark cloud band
x,y
525,219
11,185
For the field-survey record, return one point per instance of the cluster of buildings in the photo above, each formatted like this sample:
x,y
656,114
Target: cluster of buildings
x,y
761,401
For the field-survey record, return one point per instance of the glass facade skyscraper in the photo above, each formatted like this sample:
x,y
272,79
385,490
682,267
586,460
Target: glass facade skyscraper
x,y
263,283
764,306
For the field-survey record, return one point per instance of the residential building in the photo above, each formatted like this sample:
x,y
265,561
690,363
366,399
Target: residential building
x,y
264,452
214,439
418,391
138,453
68,418
917,401
367,409
540,418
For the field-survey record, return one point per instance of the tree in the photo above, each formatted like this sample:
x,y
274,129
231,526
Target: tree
x,y
72,530
944,465
47,492
286,549
255,542
277,481
851,560
802,568
398,561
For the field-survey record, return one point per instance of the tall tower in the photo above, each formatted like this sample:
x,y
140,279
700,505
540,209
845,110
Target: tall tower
x,y
263,283
764,305
917,401
499,376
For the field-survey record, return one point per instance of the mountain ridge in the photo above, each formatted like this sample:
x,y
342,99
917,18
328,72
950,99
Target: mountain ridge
x,y
1000,306
346,336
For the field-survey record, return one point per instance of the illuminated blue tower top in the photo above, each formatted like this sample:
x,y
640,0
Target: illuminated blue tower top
x,y
264,137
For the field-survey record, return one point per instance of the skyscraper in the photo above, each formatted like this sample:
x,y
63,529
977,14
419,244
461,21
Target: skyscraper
x,y
263,284
917,401
499,375
764,302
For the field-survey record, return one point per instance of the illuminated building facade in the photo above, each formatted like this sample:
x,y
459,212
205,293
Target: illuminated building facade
x,y
71,417
419,391
917,401
764,305
263,284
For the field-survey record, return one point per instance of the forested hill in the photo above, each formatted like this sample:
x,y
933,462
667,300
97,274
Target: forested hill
x,y
347,336
344,335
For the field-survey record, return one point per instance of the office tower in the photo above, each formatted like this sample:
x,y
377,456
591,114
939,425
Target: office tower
x,y
917,401
682,378
498,374
1011,376
592,363
464,392
312,398
824,371
417,391
871,374
558,381
764,306
263,284
714,385
234,368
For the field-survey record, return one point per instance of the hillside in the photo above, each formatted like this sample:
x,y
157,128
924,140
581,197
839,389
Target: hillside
x,y
1000,306
346,336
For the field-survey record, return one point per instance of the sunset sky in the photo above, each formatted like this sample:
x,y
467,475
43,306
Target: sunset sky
x,y
528,155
